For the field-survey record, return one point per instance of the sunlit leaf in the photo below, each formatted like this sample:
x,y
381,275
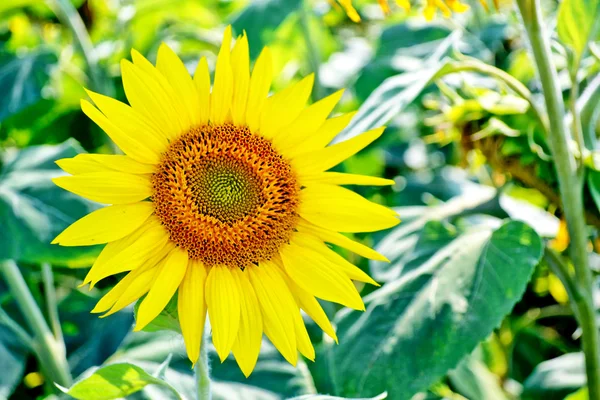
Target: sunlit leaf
x,y
575,23
113,382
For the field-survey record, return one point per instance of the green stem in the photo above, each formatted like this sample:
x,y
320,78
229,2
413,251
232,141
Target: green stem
x,y
576,117
51,303
51,354
570,185
313,52
202,373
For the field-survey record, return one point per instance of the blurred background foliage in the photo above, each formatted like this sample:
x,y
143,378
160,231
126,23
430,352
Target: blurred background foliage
x,y
475,187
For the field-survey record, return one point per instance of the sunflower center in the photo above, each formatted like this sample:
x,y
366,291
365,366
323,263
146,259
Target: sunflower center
x,y
226,196
224,189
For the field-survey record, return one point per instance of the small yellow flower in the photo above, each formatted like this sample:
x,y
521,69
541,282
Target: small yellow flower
x,y
223,198
447,7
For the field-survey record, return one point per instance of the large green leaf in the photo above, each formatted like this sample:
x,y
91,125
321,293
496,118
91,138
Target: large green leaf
x,y
419,326
556,378
260,18
114,382
575,23
33,210
22,78
13,355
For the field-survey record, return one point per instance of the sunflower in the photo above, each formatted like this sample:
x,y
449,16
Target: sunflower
x,y
222,198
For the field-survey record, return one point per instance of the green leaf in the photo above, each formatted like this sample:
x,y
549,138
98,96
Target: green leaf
x,y
33,210
556,378
167,320
113,382
22,79
397,92
13,355
435,314
575,23
408,46
260,18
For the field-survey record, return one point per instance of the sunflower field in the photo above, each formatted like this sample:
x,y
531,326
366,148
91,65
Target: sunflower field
x,y
300,199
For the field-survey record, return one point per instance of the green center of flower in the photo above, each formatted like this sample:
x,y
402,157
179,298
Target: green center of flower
x,y
224,190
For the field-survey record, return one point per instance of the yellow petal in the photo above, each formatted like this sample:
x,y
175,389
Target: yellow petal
x,y
304,344
222,93
140,283
311,306
178,76
240,65
110,298
223,301
339,178
105,225
260,82
276,305
160,86
339,209
147,97
247,344
315,274
166,283
130,252
133,123
322,160
107,187
143,279
338,239
285,106
132,146
323,136
350,10
202,82
309,120
338,261
191,308
86,163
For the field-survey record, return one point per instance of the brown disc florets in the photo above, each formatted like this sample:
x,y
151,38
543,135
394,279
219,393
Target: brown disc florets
x,y
226,196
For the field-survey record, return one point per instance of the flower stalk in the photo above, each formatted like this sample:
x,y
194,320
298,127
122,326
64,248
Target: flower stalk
x,y
202,373
49,351
570,185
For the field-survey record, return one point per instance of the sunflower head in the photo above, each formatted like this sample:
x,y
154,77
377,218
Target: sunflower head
x,y
223,199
